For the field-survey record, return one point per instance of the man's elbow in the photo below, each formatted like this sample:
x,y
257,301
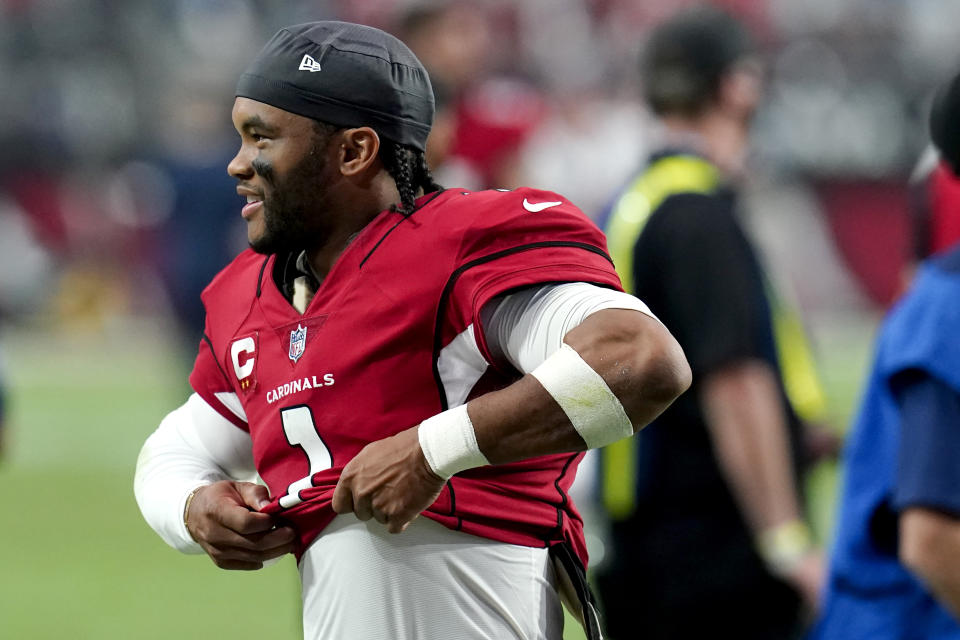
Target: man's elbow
x,y
638,358
658,375
666,372
928,539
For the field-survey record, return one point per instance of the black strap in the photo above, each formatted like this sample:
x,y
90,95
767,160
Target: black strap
x,y
570,569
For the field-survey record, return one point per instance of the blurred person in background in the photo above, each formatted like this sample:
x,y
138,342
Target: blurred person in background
x,y
202,231
707,523
934,208
371,300
935,190
25,285
895,563
485,113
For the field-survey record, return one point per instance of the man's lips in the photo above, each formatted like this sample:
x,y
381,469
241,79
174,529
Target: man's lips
x,y
254,201
250,208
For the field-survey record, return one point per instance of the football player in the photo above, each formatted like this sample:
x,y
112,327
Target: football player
x,y
388,349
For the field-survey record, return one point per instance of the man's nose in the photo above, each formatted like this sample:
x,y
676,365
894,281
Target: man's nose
x,y
240,167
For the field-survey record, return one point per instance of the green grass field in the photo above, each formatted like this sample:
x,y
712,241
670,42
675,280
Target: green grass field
x,y
77,559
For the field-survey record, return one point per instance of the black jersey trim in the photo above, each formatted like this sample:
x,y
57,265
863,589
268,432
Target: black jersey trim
x,y
563,555
382,238
403,219
263,267
452,280
564,498
209,342
453,506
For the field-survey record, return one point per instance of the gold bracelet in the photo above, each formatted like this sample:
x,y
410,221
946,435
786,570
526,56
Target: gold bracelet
x,y
186,507
783,546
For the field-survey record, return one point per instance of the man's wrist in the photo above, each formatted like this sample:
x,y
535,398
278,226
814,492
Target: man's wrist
x,y
449,443
186,510
784,546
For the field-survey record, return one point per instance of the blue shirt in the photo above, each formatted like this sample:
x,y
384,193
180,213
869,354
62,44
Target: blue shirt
x,y
900,452
928,473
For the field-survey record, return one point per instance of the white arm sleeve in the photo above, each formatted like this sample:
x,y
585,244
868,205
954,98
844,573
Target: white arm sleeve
x,y
527,327
193,446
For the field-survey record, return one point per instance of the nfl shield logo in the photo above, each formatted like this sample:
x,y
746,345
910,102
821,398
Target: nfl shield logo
x,y
298,342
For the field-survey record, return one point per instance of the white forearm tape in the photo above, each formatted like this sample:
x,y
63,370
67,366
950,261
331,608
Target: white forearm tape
x,y
449,443
593,409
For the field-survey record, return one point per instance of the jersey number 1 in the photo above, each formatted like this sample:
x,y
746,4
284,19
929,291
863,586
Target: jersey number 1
x,y
301,432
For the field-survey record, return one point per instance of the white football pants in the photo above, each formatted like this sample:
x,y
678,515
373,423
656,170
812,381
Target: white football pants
x,y
362,583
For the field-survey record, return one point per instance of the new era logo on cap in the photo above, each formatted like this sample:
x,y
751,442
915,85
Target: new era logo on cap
x,y
309,64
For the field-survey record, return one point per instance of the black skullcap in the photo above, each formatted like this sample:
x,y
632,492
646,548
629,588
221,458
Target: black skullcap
x,y
686,58
945,123
348,75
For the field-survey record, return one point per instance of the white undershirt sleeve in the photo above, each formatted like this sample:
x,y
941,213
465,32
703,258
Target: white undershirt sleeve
x,y
528,326
193,446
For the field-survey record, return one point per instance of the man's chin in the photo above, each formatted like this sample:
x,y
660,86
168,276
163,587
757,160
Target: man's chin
x,y
267,245
263,245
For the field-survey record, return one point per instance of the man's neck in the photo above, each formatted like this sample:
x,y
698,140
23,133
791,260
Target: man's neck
x,y
321,259
359,209
721,139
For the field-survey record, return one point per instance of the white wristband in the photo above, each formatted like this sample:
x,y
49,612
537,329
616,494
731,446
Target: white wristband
x,y
594,410
449,443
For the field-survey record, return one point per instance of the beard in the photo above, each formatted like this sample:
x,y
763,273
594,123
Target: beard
x,y
293,205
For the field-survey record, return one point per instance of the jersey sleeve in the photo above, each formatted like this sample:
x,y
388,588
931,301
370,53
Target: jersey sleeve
x,y
714,292
518,239
927,471
209,380
528,326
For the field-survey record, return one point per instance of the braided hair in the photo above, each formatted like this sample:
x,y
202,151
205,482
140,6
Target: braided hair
x,y
408,168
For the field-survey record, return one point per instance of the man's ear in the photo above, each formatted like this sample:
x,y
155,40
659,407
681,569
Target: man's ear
x,y
740,90
358,150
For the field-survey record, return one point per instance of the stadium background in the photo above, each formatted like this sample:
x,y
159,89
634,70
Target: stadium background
x,y
115,209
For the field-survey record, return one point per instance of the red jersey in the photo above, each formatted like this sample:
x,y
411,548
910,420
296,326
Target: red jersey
x,y
391,337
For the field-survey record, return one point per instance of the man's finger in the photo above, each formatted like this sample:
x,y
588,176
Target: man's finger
x,y
342,497
255,496
276,552
399,526
223,538
242,520
282,539
363,508
232,554
282,536
237,565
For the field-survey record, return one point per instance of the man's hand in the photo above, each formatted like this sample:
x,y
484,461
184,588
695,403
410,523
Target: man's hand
x,y
223,517
820,442
807,577
389,480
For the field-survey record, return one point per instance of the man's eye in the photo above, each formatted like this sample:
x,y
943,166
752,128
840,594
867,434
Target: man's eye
x,y
258,137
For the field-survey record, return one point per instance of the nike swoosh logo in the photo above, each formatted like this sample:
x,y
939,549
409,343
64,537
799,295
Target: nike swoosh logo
x,y
534,207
